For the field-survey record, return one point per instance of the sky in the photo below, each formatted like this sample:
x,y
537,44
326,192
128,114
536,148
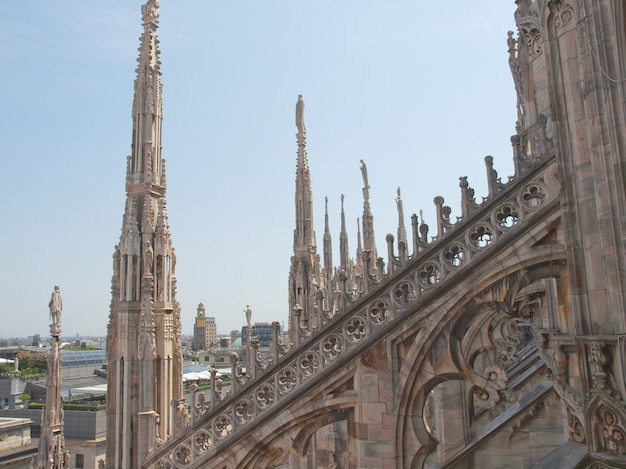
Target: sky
x,y
420,90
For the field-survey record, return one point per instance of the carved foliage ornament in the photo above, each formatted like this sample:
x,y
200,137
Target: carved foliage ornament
x,y
527,19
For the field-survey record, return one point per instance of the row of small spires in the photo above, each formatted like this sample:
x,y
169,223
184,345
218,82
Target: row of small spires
x,y
523,154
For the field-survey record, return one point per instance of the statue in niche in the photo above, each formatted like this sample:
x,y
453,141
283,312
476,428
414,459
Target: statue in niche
x,y
148,259
159,274
116,261
300,115
56,305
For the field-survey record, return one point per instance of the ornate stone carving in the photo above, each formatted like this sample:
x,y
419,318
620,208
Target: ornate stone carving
x,y
182,455
533,196
480,236
265,395
332,346
562,12
489,395
202,441
163,463
286,380
610,431
454,255
244,411
309,363
527,19
356,329
506,216
575,427
223,425
379,311
404,292
429,275
597,361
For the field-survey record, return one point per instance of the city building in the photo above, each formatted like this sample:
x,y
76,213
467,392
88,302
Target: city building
x,y
496,340
204,330
261,330
17,450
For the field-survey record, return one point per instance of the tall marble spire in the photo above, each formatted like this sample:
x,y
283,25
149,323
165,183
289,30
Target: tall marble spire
x,y
344,252
369,240
52,452
305,264
143,343
304,236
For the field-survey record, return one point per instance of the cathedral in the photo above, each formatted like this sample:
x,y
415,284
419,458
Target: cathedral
x,y
494,340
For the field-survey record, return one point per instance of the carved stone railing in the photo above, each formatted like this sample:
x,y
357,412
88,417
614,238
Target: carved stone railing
x,y
362,323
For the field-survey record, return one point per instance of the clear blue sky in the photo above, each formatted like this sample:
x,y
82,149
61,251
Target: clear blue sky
x,y
419,90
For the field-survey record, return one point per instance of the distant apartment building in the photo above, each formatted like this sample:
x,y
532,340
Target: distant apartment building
x,y
262,330
204,330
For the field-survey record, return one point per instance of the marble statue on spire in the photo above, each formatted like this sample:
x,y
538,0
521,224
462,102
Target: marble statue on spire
x,y
56,305
364,174
300,115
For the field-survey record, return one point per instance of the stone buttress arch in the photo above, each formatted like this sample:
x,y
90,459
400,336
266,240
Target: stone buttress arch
x,y
419,375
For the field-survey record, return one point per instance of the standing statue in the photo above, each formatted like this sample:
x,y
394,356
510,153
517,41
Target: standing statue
x,y
248,311
148,259
56,305
364,174
173,262
300,115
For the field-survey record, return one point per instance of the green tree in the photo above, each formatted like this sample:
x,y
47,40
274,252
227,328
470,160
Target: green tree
x,y
33,362
7,370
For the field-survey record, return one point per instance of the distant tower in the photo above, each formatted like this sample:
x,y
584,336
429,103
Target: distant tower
x,y
204,330
143,343
52,453
304,274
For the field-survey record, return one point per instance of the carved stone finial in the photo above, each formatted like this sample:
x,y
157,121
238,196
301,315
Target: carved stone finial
x,y
150,11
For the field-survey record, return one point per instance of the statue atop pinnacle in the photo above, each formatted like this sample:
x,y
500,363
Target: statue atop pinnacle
x,y
300,115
